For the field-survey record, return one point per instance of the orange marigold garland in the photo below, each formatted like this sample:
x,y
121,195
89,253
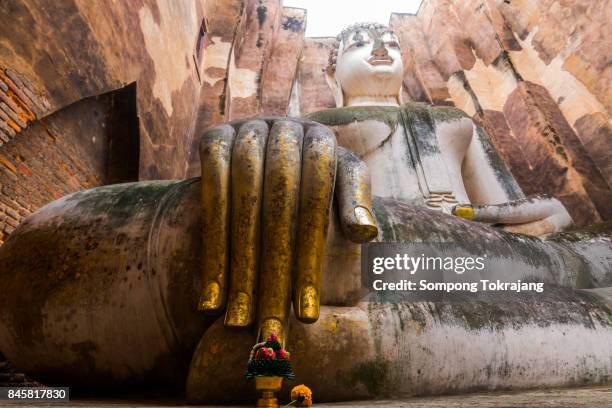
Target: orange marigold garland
x,y
301,395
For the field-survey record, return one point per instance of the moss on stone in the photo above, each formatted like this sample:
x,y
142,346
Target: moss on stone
x,y
502,172
373,375
447,113
584,233
385,229
387,114
121,200
600,308
350,114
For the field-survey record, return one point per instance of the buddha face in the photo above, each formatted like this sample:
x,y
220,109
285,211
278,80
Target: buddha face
x,y
369,63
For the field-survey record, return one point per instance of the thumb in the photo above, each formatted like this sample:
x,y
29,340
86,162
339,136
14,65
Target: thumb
x,y
354,197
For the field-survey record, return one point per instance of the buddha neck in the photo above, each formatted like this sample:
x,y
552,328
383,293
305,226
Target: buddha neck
x,y
371,101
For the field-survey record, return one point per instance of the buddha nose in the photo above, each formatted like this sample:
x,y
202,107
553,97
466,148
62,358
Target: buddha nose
x,y
380,50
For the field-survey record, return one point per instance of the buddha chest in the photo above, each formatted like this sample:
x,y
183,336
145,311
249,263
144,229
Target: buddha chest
x,y
414,152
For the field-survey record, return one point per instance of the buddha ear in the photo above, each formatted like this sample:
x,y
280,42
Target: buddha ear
x,y
330,77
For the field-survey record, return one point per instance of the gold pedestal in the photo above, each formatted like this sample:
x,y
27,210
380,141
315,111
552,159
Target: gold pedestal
x,y
268,386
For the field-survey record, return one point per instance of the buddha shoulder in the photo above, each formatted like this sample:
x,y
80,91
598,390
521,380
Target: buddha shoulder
x,y
451,122
440,114
444,114
445,121
390,115
365,128
340,117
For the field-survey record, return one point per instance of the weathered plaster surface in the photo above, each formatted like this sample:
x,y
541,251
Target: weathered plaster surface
x,y
472,54
138,251
162,43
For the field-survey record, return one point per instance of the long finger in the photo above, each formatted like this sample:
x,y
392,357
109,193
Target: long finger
x,y
521,211
354,197
247,182
215,158
316,190
281,188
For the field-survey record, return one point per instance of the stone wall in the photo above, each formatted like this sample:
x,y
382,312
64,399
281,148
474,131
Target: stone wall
x,y
534,73
251,63
47,160
56,56
69,50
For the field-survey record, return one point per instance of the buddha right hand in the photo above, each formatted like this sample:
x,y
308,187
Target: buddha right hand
x,y
534,215
267,187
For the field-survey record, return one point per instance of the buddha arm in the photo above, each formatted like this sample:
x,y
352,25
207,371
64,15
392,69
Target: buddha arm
x,y
496,197
535,215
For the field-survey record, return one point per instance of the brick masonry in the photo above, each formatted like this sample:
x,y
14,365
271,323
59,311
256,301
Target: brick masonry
x,y
60,154
533,72
19,104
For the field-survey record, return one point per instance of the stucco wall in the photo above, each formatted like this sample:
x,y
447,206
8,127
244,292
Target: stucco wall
x,y
535,73
54,55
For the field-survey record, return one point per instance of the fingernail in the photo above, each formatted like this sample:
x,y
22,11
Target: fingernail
x,y
269,326
211,297
464,211
365,228
309,304
238,311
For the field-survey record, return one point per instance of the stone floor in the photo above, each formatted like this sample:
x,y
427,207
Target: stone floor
x,y
591,397
10,377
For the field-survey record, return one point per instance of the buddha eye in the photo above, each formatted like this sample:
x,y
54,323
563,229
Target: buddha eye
x,y
392,44
356,44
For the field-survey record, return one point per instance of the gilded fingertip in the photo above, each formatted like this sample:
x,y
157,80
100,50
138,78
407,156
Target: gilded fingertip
x,y
210,298
238,313
364,229
308,308
271,326
464,211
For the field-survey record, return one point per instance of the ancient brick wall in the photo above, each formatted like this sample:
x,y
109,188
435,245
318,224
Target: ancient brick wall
x,y
69,50
534,73
56,58
253,56
51,158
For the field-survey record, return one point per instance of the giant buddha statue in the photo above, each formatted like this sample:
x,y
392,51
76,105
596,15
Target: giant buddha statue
x,y
173,281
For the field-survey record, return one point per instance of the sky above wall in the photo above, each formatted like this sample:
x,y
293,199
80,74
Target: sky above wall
x,y
326,18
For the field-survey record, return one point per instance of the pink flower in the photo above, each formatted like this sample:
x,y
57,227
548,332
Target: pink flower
x,y
272,337
268,353
282,354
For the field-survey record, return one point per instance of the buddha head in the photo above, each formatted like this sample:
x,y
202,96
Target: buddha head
x,y
365,66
